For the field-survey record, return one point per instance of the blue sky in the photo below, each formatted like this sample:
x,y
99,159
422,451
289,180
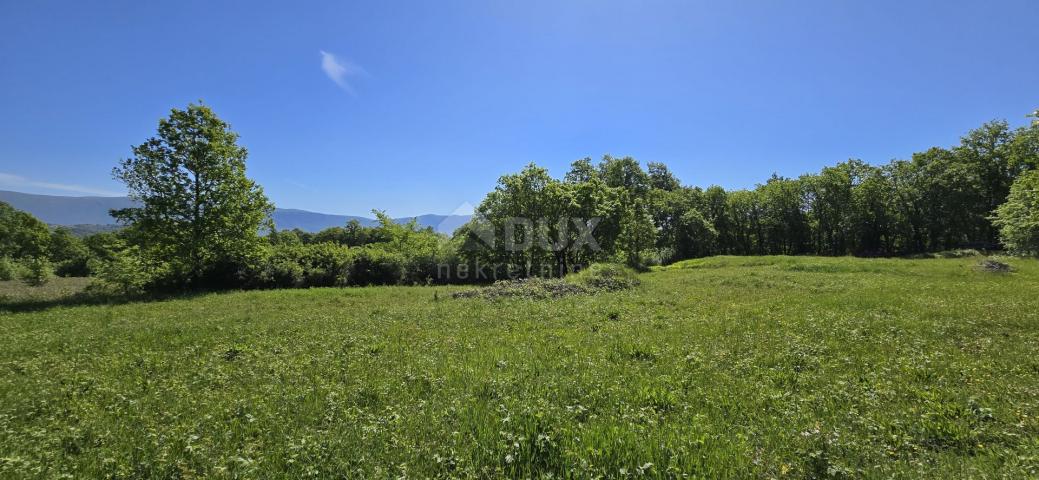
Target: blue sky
x,y
429,102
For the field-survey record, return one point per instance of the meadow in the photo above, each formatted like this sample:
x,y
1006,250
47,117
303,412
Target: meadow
x,y
746,367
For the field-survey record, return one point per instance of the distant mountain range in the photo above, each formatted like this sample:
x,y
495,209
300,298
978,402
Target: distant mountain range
x,y
91,213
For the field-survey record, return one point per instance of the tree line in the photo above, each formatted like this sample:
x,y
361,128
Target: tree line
x,y
200,222
940,199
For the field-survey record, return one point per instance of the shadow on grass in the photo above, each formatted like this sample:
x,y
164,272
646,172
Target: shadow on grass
x,y
85,299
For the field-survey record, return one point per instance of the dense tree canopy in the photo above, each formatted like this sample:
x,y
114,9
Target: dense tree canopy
x,y
21,234
198,211
1018,218
940,199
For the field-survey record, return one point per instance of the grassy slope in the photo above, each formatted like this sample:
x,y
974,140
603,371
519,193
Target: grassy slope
x,y
786,367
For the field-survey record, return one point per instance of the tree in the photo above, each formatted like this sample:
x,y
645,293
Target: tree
x,y
870,217
21,234
37,272
198,210
986,151
581,171
355,234
518,210
783,216
637,233
69,254
625,173
1018,218
661,178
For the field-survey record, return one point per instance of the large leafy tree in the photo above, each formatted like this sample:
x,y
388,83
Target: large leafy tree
x,y
198,211
518,210
1018,218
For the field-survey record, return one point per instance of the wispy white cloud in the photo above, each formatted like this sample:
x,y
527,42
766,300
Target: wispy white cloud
x,y
339,70
8,180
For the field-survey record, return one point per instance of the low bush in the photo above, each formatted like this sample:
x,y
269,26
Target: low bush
x,y
126,273
281,273
74,267
331,265
606,276
602,277
36,272
8,269
373,266
289,265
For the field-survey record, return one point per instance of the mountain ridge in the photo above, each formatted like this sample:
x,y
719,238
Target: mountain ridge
x,y
92,210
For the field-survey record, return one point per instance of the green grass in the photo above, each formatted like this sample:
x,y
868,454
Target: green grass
x,y
57,289
722,367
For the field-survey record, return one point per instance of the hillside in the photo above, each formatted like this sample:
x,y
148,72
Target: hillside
x,y
91,214
726,367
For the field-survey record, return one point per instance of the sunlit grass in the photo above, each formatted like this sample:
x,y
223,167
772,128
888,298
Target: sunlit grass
x,y
719,367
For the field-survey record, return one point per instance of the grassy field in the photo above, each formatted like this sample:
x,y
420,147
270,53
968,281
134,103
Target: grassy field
x,y
755,367
57,289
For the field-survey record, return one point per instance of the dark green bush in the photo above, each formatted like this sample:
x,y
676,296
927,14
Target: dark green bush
x,y
325,265
70,255
282,273
373,266
288,265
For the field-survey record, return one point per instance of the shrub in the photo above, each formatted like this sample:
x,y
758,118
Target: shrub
x,y
600,277
325,265
78,266
282,273
127,273
37,272
289,265
373,266
70,255
606,276
8,269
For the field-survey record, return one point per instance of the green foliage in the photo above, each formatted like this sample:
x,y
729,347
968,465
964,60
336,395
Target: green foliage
x,y
199,213
394,254
201,218
104,246
374,266
36,271
8,269
70,254
129,272
606,276
280,272
597,278
299,265
941,199
1018,218
21,234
